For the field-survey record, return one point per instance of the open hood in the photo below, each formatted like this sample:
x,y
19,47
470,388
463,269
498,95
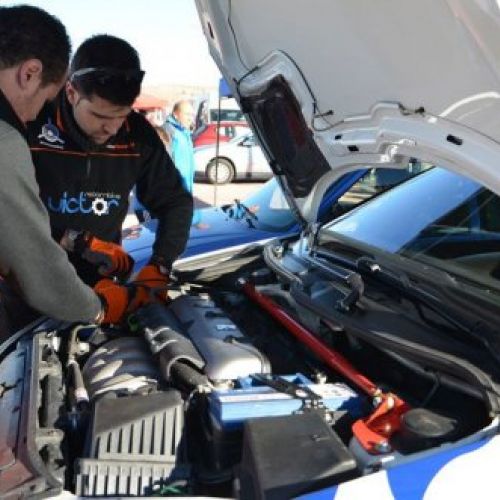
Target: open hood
x,y
331,86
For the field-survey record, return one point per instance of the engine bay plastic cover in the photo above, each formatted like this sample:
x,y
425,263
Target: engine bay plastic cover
x,y
219,341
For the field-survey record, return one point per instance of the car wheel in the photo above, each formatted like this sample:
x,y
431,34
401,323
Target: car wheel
x,y
225,171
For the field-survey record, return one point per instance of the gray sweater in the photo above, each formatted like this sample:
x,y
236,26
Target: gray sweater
x,y
29,257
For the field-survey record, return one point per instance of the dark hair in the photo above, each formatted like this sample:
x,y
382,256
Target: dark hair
x,y
108,67
31,33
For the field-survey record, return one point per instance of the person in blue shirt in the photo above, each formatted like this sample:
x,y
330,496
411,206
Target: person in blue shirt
x,y
178,127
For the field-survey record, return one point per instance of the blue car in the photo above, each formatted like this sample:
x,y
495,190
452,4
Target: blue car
x,y
255,220
350,352
262,216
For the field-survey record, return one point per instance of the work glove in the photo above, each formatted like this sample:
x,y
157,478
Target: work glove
x,y
115,299
150,284
110,257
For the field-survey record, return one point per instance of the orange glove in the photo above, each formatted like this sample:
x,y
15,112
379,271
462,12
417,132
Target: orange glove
x,y
115,298
110,257
151,283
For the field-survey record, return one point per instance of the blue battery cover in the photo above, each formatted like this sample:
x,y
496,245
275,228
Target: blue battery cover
x,y
252,399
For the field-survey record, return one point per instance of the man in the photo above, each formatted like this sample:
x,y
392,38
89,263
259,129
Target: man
x,y
178,126
34,54
90,149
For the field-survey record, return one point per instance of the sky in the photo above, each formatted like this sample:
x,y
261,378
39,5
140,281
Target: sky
x,y
166,33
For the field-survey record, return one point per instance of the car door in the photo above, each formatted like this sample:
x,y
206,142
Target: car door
x,y
258,165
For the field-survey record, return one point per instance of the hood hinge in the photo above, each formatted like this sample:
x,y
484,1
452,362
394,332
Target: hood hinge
x,y
309,236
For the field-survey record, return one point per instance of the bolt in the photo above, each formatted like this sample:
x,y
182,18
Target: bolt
x,y
320,378
383,447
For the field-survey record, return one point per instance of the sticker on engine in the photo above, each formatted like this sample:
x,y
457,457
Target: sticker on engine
x,y
225,328
326,391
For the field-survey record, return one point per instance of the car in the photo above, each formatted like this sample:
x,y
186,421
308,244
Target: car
x,y
207,134
239,159
357,359
263,216
211,110
403,290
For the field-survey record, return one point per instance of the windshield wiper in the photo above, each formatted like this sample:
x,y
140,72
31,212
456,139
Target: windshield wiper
x,y
435,299
239,210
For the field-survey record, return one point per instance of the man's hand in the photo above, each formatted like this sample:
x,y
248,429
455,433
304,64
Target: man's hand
x,y
110,257
115,300
151,284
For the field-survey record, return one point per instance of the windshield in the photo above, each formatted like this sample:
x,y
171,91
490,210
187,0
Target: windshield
x,y
440,218
273,213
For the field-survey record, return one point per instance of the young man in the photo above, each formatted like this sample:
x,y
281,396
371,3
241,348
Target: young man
x,y
90,149
34,54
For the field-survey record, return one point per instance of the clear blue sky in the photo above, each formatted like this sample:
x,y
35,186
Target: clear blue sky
x,y
166,33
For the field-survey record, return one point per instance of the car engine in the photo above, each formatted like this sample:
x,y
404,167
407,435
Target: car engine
x,y
211,396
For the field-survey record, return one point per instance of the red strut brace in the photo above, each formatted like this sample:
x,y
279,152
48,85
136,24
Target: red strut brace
x,y
372,432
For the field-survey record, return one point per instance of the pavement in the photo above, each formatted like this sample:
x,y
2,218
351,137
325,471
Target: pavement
x,y
205,194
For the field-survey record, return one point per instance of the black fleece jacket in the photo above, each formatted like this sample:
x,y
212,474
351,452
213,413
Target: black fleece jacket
x,y
86,187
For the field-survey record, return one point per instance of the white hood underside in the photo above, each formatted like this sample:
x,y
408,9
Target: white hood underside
x,y
372,63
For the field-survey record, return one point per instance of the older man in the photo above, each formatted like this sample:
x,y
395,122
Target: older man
x,y
178,126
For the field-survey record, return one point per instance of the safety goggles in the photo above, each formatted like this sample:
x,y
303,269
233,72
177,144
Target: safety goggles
x,y
106,76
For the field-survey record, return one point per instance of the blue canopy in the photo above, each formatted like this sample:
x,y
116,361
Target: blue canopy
x,y
224,90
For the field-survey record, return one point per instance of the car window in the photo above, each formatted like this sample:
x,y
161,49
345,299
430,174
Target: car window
x,y
226,115
376,181
250,140
229,131
439,217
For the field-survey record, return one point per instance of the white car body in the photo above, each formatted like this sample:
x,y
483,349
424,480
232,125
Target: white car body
x,y
239,159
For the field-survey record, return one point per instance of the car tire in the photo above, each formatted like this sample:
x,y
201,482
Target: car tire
x,y
225,171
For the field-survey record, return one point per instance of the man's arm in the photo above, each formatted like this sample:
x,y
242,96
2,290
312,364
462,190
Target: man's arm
x,y
28,254
161,191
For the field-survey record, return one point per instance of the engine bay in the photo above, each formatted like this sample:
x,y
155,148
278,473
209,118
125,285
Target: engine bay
x,y
212,396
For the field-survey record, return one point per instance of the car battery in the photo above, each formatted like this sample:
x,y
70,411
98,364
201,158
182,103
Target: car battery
x,y
251,398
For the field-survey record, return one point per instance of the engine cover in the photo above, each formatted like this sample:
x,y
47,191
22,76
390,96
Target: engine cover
x,y
124,364
227,353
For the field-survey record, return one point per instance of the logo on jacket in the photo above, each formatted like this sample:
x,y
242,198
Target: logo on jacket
x,y
85,203
50,134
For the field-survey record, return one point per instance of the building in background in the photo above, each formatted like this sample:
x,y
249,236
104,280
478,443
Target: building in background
x,y
152,107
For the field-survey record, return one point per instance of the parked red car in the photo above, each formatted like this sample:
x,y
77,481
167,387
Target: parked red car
x,y
207,133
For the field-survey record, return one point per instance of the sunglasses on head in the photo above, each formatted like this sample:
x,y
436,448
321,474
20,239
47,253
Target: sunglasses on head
x,y
104,76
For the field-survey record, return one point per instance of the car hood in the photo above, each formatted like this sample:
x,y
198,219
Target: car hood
x,y
340,85
224,232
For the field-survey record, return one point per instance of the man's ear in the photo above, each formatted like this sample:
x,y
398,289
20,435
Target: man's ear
x,y
71,93
29,74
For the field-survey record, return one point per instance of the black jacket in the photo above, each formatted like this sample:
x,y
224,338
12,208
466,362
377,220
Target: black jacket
x,y
87,187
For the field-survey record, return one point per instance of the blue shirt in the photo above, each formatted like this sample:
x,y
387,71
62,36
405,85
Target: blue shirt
x,y
182,151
